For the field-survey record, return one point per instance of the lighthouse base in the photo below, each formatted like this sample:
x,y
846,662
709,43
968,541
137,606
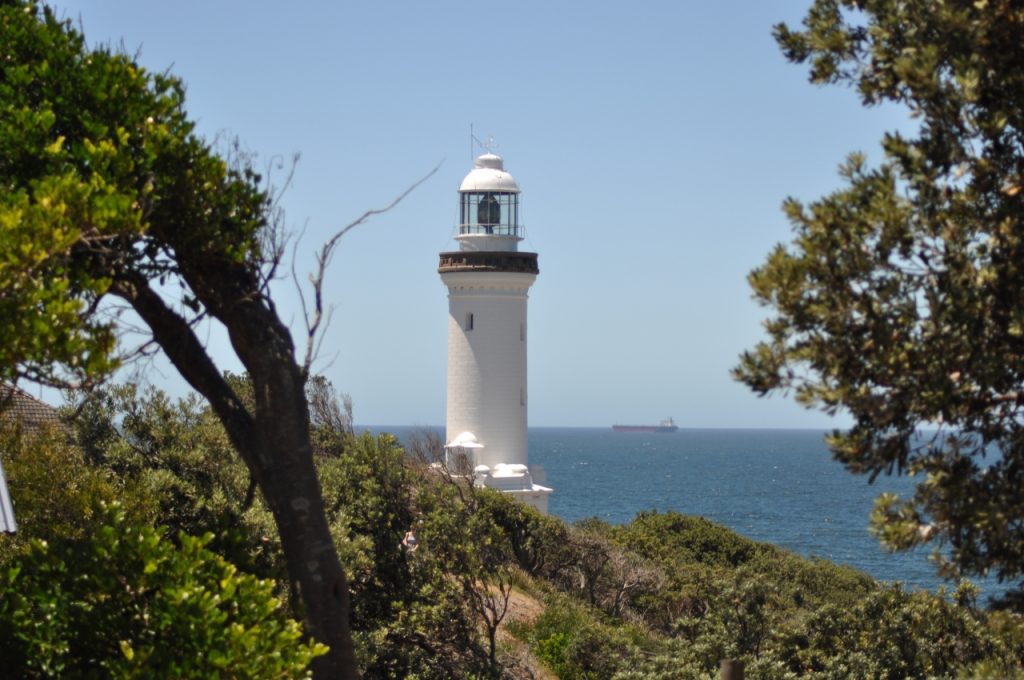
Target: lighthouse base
x,y
464,456
516,480
536,498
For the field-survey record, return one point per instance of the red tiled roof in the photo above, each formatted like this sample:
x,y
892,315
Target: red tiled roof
x,y
26,409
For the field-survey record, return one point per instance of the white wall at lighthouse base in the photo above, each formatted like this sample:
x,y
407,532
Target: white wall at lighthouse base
x,y
515,480
537,497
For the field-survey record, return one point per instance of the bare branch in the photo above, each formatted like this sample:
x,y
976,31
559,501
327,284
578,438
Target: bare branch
x,y
275,241
323,260
273,238
295,275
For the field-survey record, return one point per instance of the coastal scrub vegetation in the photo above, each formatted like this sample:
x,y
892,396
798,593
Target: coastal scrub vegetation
x,y
144,507
124,601
900,300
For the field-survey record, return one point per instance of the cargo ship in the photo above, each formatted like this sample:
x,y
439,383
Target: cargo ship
x,y
664,426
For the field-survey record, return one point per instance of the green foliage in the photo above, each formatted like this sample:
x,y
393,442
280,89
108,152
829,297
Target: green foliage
x,y
368,491
330,417
899,299
98,154
412,613
577,646
55,491
537,541
893,633
695,554
719,595
175,463
126,602
672,538
171,464
666,596
174,454
473,553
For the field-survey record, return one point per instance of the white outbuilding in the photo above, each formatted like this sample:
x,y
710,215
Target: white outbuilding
x,y
488,282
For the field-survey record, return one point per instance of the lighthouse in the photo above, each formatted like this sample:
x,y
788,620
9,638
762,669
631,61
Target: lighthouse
x,y
488,283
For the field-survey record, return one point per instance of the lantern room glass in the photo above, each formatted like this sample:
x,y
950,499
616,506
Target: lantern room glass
x,y
489,212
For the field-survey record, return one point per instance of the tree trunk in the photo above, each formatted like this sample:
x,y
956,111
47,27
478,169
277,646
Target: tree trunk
x,y
288,478
274,443
292,490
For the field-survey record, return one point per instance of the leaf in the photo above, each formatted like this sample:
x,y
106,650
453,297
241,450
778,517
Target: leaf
x,y
56,146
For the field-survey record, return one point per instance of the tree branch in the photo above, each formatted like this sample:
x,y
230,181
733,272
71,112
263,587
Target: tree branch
x,y
323,260
178,340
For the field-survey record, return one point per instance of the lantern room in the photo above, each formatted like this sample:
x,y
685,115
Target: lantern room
x,y
488,201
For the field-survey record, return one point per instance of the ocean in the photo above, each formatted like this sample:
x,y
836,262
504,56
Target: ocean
x,y
778,486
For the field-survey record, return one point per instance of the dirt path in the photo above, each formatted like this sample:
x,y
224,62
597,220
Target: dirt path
x,y
523,608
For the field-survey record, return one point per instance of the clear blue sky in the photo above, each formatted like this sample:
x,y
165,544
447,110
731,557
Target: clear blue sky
x,y
654,143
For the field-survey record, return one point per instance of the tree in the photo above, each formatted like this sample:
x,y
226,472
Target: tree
x,y
108,194
330,419
900,300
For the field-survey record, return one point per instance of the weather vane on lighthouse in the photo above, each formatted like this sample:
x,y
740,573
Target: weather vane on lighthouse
x,y
489,146
488,282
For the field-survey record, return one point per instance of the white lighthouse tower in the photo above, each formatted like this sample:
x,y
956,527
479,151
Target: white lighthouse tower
x,y
488,280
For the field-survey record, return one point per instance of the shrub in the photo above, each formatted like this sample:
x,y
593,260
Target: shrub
x,y
55,491
126,602
411,617
538,542
672,538
576,645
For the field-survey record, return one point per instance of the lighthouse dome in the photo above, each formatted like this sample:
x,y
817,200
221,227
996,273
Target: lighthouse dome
x,y
488,174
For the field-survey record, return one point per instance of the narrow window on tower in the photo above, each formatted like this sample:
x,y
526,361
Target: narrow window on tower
x,y
522,332
469,321
522,397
